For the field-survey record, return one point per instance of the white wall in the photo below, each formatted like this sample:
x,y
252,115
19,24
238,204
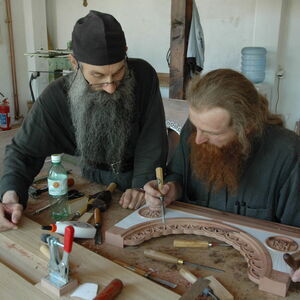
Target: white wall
x,y
228,26
20,46
289,59
146,24
5,73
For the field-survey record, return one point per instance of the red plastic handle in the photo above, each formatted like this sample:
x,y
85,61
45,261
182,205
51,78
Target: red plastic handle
x,y
111,291
68,239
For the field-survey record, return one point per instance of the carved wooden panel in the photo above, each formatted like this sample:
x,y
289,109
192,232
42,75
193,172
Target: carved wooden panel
x,y
258,241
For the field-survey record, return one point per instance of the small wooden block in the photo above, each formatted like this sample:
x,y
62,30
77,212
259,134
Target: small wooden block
x,y
278,283
218,289
78,204
85,217
49,286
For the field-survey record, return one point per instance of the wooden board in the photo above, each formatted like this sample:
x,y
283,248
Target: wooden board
x,y
13,286
247,235
181,15
19,251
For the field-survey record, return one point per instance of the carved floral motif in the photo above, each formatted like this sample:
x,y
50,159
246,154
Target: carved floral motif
x,y
281,243
256,255
146,212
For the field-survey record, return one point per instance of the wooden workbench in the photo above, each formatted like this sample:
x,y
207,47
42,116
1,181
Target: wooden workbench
x,y
234,279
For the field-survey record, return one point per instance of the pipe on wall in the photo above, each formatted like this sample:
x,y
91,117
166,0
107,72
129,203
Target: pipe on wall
x,y
12,59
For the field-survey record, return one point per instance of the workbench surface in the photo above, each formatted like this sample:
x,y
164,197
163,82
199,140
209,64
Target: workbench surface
x,y
234,279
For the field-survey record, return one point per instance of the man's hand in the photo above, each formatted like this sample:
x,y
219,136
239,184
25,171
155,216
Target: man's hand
x,y
296,276
132,198
171,191
10,211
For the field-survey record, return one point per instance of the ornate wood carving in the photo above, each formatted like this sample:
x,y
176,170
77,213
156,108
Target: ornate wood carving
x,y
259,260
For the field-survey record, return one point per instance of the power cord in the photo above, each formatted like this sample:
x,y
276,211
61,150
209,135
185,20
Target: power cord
x,y
278,84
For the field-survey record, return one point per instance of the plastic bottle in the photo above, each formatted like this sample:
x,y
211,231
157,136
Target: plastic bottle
x,y
58,189
81,229
254,63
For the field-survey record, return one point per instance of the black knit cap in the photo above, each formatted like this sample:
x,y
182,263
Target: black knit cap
x,y
98,39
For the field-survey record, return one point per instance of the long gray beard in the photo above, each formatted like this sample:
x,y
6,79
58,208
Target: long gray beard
x,y
101,120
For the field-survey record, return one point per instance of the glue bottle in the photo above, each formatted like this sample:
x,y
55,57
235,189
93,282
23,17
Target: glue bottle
x,y
81,229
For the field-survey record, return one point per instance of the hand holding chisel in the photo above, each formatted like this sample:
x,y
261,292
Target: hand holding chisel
x,y
160,183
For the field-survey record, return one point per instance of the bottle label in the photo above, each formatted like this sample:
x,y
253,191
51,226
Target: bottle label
x,y
58,187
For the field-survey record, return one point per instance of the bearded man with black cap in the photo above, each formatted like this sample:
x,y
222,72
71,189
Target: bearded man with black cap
x,y
108,111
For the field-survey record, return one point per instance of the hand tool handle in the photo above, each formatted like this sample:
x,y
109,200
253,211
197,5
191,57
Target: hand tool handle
x,y
68,238
111,188
186,274
71,181
192,244
159,177
161,256
110,291
131,268
97,216
291,261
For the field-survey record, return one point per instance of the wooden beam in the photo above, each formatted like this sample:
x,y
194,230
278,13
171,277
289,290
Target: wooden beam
x,y
181,15
164,79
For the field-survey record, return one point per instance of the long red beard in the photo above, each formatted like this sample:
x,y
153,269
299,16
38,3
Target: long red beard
x,y
217,167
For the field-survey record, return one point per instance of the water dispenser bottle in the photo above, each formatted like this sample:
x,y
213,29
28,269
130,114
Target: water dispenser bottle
x,y
254,63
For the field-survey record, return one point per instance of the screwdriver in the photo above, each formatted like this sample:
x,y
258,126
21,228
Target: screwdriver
x,y
174,260
197,244
97,219
160,183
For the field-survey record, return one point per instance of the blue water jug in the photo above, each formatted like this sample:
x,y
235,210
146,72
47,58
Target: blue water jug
x,y
254,63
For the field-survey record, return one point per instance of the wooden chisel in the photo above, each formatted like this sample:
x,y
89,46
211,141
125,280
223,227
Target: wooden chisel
x,y
145,274
160,183
197,244
97,219
174,260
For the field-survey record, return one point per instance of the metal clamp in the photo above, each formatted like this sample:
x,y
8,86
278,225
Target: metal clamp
x,y
59,267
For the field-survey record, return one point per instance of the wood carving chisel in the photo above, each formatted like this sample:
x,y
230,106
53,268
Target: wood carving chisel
x,y
145,274
97,219
160,183
197,244
174,260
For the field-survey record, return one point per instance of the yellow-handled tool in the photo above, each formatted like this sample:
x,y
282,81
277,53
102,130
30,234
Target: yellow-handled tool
x,y
156,255
196,244
160,183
